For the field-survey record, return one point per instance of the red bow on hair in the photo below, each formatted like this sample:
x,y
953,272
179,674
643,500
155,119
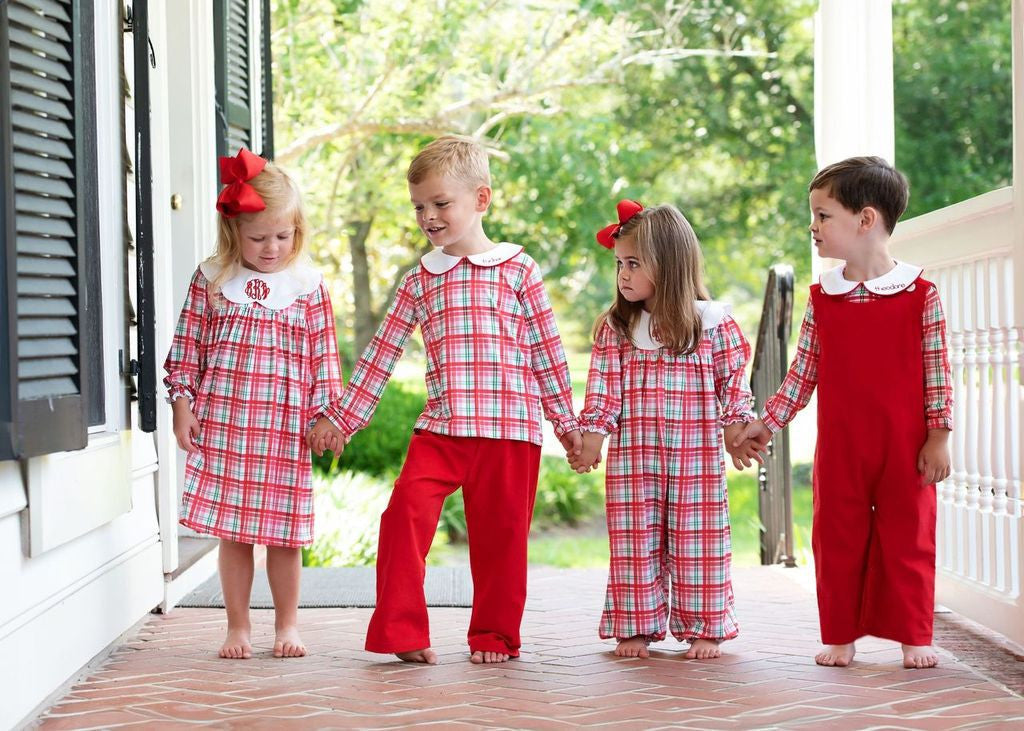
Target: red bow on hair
x,y
626,210
238,196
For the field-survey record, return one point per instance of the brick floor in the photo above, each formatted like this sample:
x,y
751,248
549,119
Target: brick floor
x,y
168,676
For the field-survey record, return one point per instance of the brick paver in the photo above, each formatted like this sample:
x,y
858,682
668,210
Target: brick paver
x,y
168,675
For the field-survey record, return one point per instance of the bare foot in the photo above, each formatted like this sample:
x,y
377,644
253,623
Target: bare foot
x,y
633,647
479,657
838,655
919,656
426,655
287,643
703,650
236,645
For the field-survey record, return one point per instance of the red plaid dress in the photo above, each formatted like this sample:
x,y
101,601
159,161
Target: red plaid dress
x,y
494,357
666,502
259,362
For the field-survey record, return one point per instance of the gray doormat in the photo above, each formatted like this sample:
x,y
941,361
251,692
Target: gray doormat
x,y
444,586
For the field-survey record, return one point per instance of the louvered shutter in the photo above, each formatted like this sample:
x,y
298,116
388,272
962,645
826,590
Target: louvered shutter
x,y
45,224
234,85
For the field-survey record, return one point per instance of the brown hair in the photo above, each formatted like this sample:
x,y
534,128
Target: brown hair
x,y
670,255
453,156
282,197
860,182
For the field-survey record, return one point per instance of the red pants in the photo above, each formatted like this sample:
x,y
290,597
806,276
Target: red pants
x,y
499,484
874,522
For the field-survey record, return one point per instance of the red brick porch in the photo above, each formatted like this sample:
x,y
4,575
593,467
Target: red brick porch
x,y
168,676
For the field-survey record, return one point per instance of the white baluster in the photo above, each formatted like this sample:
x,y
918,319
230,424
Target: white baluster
x,y
1002,376
982,540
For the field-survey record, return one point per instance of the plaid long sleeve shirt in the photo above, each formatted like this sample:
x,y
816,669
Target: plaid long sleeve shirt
x,y
494,357
802,378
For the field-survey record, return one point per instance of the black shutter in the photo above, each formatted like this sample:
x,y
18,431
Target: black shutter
x,y
234,85
48,216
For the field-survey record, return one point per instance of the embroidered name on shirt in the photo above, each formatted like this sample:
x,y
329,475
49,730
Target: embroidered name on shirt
x,y
887,287
257,289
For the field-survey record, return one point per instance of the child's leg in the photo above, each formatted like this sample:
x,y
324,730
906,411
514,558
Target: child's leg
x,y
840,533
499,493
700,556
899,592
636,600
284,569
433,470
235,565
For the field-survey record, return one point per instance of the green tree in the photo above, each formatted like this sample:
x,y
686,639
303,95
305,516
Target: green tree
x,y
953,90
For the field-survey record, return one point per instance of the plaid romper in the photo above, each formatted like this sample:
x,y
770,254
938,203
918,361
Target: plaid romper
x,y
259,362
666,503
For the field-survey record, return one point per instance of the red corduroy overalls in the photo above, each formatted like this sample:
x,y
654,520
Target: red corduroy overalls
x,y
874,522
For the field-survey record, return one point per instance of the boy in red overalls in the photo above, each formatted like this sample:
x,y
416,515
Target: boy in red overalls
x,y
873,342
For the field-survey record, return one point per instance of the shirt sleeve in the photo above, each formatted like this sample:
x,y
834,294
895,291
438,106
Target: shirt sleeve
x,y
731,352
603,403
800,381
325,366
376,364
186,360
938,386
547,357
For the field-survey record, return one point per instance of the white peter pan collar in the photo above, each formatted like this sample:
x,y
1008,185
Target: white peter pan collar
x,y
273,290
438,262
895,280
711,315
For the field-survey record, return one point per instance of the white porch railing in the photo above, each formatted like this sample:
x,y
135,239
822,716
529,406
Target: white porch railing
x,y
967,250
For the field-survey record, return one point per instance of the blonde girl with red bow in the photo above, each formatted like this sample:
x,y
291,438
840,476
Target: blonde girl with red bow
x,y
253,365
666,376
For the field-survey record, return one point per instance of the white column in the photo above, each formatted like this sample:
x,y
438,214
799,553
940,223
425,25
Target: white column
x,y
853,97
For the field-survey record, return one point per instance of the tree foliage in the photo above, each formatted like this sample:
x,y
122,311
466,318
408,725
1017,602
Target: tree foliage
x,y
953,89
706,104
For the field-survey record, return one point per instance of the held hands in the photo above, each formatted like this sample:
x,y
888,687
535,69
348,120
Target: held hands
x,y
746,442
933,459
325,436
590,454
186,425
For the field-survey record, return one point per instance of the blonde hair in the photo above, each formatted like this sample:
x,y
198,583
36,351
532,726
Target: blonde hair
x,y
670,255
452,156
282,197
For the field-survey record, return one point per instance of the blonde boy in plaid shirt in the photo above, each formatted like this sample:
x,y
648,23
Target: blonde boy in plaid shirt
x,y
494,361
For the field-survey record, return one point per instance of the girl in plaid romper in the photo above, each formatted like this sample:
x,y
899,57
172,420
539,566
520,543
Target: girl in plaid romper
x,y
253,364
666,374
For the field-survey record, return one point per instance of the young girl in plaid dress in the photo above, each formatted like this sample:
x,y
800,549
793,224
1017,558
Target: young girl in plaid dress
x,y
494,362
666,374
253,364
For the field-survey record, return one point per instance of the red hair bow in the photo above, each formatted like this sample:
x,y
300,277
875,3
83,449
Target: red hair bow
x,y
238,196
626,210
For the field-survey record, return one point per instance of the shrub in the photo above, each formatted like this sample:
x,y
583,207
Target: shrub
x,y
565,497
348,508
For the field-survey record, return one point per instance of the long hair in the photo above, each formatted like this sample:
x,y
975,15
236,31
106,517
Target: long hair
x,y
670,256
283,199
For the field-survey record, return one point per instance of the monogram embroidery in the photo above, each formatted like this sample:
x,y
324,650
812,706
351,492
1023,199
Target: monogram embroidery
x,y
257,289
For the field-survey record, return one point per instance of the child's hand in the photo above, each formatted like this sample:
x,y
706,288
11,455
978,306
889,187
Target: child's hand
x,y
572,442
744,452
186,425
325,436
933,459
590,454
